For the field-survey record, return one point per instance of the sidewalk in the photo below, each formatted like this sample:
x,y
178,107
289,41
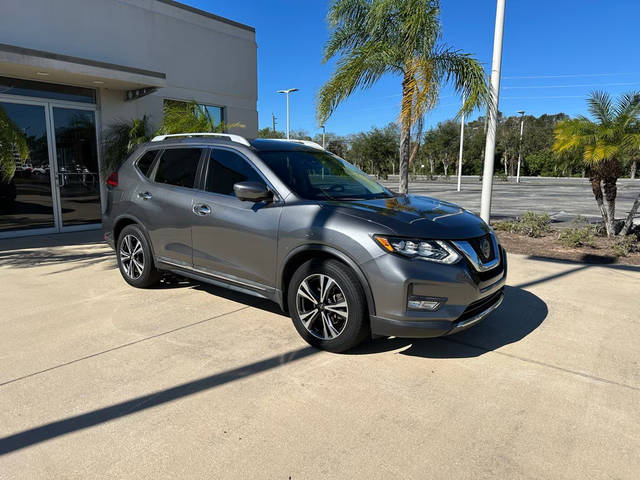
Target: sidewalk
x,y
98,379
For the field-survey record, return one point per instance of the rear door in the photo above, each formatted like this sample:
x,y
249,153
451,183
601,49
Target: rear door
x,y
167,203
234,239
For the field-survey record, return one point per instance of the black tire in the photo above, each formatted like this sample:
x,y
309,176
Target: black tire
x,y
351,322
130,237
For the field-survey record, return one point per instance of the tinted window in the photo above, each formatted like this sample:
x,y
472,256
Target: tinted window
x,y
226,169
178,166
145,162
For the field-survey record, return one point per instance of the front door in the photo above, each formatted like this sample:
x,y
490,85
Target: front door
x,y
49,176
77,178
232,238
26,186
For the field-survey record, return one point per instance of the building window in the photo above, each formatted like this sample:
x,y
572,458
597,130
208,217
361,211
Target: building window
x,y
30,88
210,116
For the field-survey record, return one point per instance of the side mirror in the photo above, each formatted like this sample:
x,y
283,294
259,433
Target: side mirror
x,y
252,192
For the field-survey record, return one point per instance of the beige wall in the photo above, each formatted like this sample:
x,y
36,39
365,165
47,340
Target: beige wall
x,y
204,59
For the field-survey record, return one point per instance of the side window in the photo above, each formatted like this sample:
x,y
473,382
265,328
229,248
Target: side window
x,y
145,162
227,168
178,166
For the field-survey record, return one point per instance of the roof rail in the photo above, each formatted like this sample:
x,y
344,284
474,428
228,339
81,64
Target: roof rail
x,y
308,143
228,136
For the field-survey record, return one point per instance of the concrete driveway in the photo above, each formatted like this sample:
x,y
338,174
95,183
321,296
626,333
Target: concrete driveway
x,y
99,380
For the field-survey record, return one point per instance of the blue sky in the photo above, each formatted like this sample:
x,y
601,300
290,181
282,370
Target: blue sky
x,y
555,53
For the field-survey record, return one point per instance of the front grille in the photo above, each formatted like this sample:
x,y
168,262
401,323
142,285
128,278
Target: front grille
x,y
481,305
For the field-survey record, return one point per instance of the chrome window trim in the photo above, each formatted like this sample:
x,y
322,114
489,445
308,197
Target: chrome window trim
x,y
471,255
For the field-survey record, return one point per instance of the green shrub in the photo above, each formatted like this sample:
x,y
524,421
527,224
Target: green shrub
x,y
577,237
530,224
625,246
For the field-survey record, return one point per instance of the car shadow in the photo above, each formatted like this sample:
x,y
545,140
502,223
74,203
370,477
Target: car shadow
x,y
520,314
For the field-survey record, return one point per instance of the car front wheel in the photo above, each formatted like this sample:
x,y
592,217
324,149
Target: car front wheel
x,y
327,305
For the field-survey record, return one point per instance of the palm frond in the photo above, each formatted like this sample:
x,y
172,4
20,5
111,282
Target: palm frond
x,y
601,106
360,69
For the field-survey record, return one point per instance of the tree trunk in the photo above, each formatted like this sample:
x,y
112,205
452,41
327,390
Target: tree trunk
x,y
596,188
405,139
584,173
634,166
610,193
445,166
632,213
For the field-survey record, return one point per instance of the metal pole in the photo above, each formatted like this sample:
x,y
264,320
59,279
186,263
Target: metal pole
x,y
520,146
324,131
273,120
461,149
490,144
287,115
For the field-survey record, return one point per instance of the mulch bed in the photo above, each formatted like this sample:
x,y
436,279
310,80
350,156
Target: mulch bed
x,y
549,247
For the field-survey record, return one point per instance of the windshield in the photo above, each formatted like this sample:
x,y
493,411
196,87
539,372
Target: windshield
x,y
321,176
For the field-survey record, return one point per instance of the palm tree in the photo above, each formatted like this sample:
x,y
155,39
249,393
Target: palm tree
x,y
605,141
372,38
191,117
121,138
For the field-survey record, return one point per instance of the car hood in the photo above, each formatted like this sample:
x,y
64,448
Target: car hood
x,y
416,216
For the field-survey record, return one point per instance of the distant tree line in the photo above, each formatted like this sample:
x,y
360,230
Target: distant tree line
x,y
377,150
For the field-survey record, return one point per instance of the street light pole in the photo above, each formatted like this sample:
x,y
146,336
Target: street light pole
x,y
461,149
521,112
324,131
287,92
490,144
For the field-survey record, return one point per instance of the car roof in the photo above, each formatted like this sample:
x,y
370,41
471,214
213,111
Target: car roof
x,y
257,144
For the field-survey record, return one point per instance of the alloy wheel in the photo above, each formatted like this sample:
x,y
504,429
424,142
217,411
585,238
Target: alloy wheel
x,y
322,306
132,256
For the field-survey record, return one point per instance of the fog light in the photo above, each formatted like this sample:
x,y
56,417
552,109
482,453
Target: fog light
x,y
431,304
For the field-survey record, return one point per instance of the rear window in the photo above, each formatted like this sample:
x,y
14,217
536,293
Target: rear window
x,y
178,166
146,161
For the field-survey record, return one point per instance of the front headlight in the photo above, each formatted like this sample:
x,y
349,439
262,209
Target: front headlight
x,y
432,250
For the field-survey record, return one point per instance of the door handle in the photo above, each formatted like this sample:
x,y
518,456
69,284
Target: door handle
x,y
201,209
145,195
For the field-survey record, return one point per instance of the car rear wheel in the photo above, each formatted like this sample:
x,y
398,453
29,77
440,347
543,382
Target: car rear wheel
x,y
327,305
135,259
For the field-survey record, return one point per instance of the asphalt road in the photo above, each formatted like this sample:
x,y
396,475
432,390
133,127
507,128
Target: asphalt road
x,y
101,380
563,201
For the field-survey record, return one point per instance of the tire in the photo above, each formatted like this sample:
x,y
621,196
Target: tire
x,y
141,272
337,322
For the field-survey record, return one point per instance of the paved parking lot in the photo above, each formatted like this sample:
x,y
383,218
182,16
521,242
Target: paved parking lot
x,y
99,380
562,200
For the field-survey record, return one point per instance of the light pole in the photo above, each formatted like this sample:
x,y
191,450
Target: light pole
x,y
290,90
324,131
461,149
490,144
521,112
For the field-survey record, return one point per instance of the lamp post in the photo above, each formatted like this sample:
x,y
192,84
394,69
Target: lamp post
x,y
290,90
490,144
521,112
324,131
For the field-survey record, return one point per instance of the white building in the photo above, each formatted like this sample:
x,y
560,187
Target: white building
x,y
71,68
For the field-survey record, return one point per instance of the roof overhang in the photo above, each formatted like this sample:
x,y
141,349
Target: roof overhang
x,y
58,68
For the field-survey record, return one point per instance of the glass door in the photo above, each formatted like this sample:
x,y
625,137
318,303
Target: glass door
x,y
26,200
77,172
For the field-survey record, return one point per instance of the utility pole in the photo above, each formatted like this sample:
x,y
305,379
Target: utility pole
x,y
273,121
324,131
461,149
521,112
490,144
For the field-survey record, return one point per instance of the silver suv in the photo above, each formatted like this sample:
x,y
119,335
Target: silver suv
x,y
293,223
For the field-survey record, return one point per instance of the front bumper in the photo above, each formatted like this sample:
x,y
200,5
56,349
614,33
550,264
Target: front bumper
x,y
471,296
